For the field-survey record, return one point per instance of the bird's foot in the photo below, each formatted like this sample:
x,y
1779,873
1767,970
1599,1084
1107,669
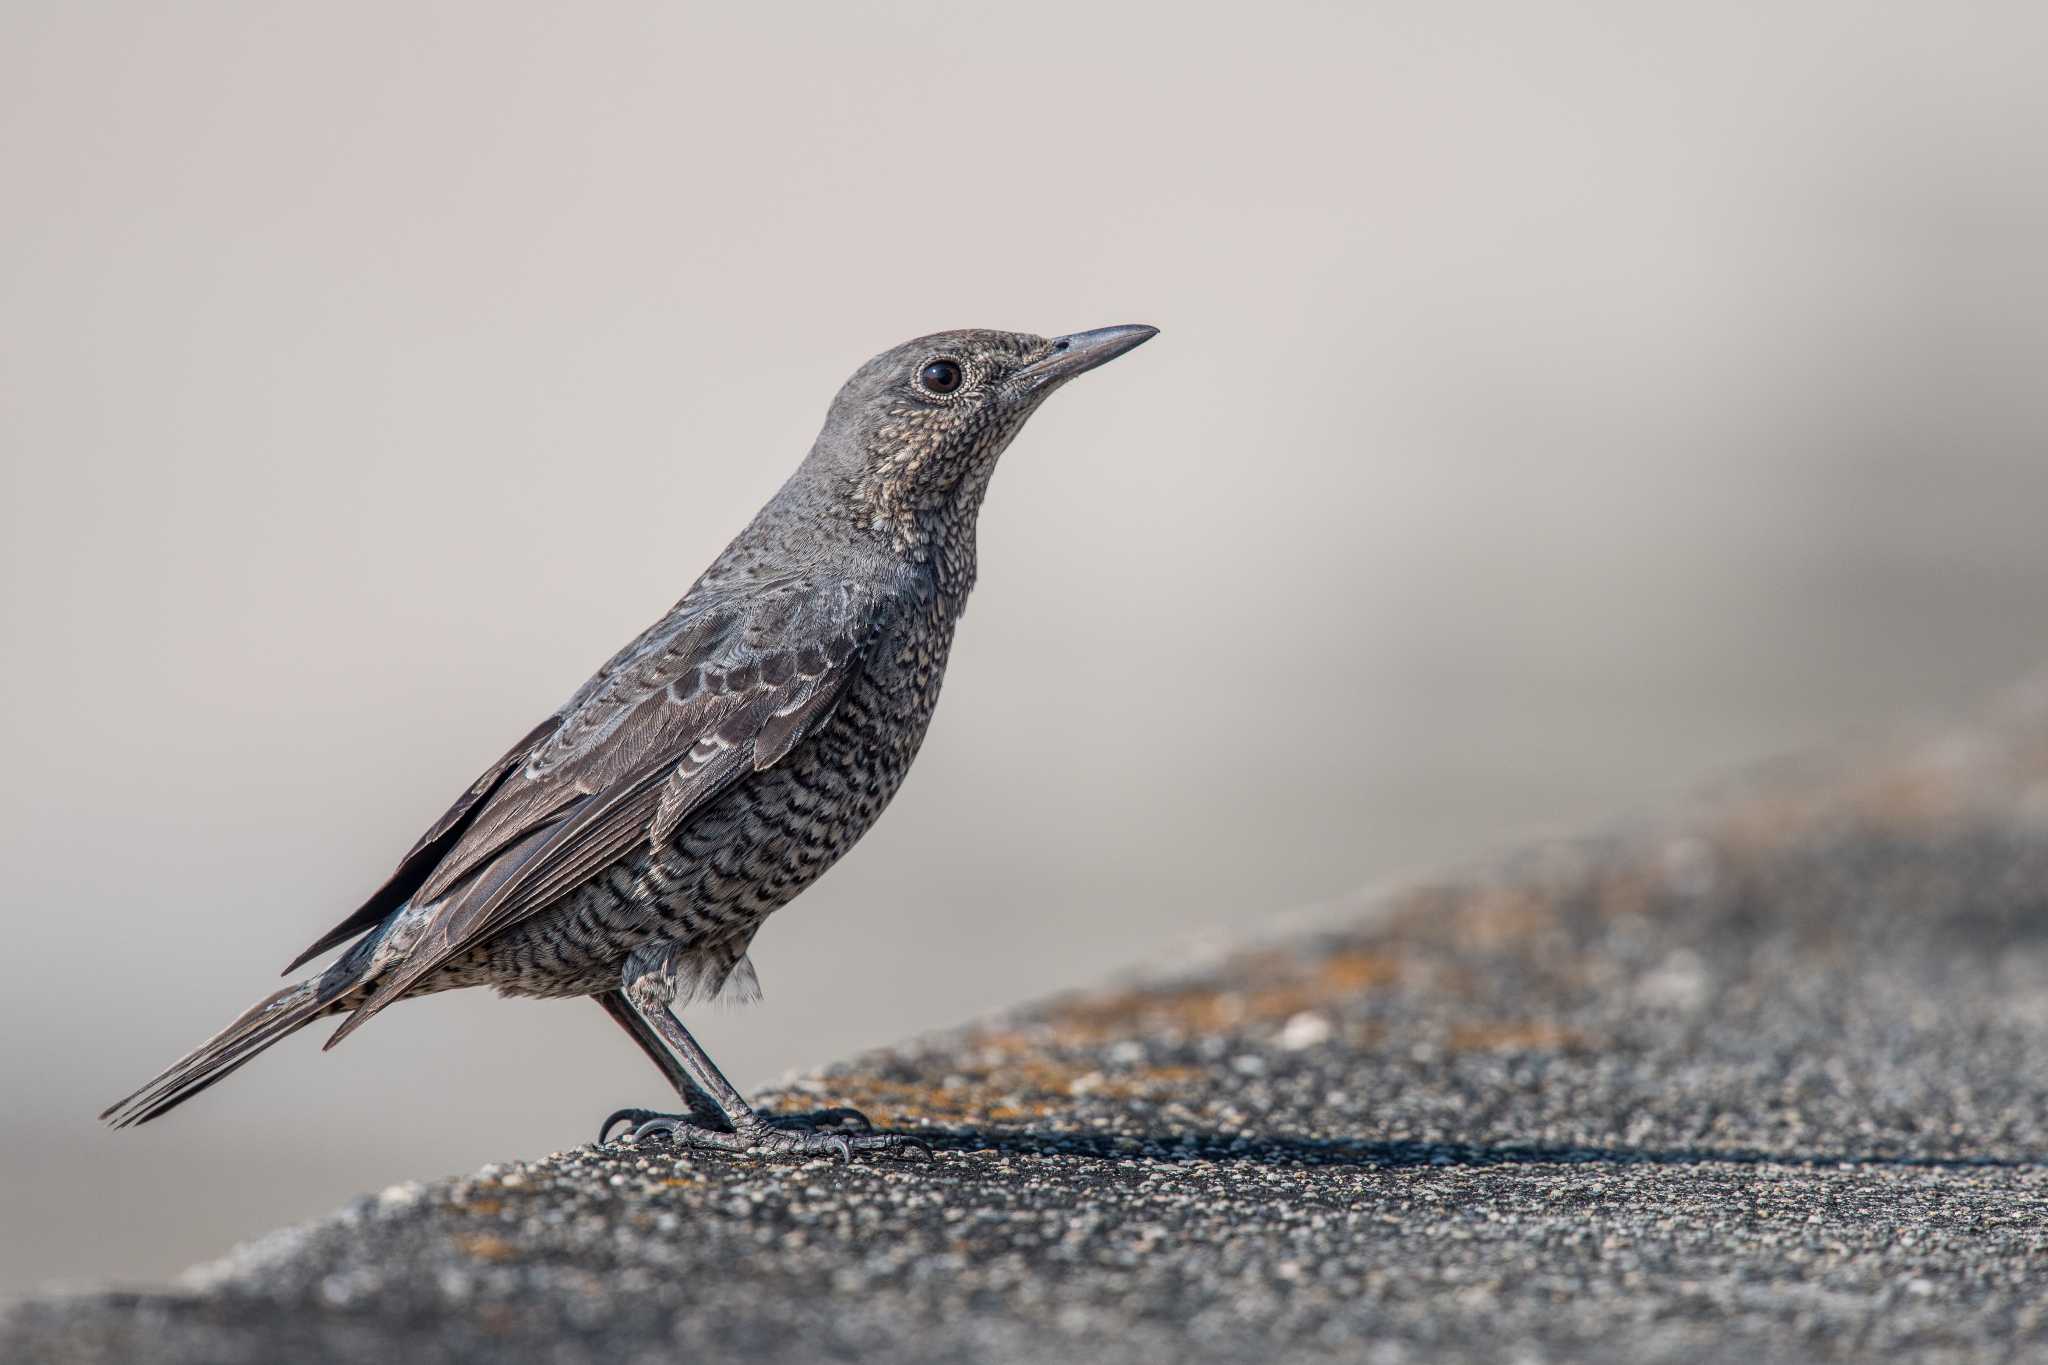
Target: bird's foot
x,y
638,1119
650,1119
768,1135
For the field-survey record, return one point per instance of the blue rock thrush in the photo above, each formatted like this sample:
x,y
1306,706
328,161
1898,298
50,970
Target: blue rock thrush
x,y
630,845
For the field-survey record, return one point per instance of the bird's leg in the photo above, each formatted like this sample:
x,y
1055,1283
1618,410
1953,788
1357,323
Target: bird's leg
x,y
749,1130
701,1108
703,1111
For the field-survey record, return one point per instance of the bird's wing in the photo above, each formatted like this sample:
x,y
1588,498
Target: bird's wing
x,y
728,687
418,863
433,847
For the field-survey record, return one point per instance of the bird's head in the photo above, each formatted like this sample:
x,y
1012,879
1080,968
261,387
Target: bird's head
x,y
916,432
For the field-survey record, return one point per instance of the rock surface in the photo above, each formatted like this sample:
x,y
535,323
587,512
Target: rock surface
x,y
1767,1079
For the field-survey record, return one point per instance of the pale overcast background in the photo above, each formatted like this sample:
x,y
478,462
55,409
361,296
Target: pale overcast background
x,y
1556,405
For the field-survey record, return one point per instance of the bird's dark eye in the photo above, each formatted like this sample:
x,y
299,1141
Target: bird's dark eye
x,y
941,376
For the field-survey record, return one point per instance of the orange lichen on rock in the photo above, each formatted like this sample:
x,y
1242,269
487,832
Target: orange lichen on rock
x,y
487,1246
1528,1035
1010,1091
1277,987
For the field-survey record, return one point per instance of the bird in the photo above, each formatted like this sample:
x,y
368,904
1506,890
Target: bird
x,y
630,845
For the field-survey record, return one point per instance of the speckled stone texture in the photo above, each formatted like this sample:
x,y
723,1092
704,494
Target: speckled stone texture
x,y
1762,1080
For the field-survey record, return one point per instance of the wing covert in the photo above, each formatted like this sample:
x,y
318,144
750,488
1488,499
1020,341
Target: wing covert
x,y
728,689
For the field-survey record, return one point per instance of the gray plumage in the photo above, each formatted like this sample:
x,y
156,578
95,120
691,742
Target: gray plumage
x,y
629,847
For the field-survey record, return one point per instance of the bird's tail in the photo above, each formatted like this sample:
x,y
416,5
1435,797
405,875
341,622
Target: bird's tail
x,y
269,1020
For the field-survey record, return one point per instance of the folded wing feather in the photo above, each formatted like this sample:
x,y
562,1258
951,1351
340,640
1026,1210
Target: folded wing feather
x,y
726,689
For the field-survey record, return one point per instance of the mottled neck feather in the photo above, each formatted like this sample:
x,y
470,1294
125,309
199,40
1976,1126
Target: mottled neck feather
x,y
940,536
929,522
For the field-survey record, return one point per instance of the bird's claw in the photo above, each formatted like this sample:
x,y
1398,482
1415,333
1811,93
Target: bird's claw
x,y
635,1117
836,1117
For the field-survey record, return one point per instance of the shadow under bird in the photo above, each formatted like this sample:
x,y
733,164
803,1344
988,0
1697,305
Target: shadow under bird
x,y
630,845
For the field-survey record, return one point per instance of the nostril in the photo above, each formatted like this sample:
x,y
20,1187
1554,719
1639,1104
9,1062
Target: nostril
x,y
1060,345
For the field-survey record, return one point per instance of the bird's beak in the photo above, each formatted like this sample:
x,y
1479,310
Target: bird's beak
x,y
1079,352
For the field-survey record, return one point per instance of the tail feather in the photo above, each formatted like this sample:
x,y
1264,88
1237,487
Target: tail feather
x,y
270,1020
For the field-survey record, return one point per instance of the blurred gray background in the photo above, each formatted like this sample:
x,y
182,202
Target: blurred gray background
x,y
1557,404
